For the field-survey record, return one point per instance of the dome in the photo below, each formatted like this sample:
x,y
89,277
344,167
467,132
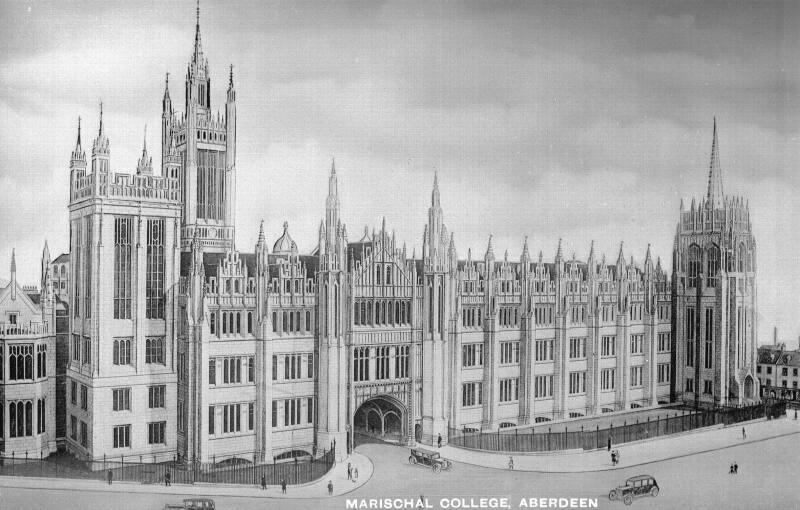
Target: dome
x,y
284,245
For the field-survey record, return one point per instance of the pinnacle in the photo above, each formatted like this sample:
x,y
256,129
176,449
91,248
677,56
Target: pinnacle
x,y
715,192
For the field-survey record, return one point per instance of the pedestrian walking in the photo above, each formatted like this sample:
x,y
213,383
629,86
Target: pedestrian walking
x,y
167,479
618,456
349,471
264,482
735,468
330,487
744,434
355,474
110,476
613,458
283,486
609,443
439,441
511,463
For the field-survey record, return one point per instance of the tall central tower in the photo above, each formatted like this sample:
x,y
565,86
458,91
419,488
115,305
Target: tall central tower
x,y
714,298
199,148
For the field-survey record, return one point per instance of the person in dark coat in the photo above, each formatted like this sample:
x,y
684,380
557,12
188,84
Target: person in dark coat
x,y
263,482
349,471
167,479
439,441
283,486
609,443
110,476
735,468
330,487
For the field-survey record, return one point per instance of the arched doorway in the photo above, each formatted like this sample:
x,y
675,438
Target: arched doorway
x,y
748,387
380,419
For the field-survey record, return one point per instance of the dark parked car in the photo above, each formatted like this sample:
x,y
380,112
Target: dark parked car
x,y
429,458
635,487
193,504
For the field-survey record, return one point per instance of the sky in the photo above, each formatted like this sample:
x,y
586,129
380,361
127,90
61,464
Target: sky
x,y
575,120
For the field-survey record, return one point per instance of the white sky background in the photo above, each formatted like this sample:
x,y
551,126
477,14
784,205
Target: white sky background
x,y
578,120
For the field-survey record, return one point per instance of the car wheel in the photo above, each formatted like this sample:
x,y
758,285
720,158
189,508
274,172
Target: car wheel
x,y
437,468
412,460
613,496
654,491
628,499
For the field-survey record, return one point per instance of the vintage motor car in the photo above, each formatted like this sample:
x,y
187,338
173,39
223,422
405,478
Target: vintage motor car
x,y
429,458
192,504
635,487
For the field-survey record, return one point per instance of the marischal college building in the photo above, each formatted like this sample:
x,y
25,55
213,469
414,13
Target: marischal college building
x,y
181,345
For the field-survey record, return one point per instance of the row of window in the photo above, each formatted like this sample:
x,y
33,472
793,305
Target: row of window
x,y
784,371
156,398
708,386
508,317
81,350
291,322
20,418
293,412
156,434
295,366
154,351
232,285
383,357
230,418
20,362
231,367
381,312
84,395
230,323
154,270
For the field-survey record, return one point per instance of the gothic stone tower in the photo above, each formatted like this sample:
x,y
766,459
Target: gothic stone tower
x,y
714,298
199,148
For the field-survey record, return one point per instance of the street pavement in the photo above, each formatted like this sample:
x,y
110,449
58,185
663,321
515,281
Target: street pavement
x,y
768,462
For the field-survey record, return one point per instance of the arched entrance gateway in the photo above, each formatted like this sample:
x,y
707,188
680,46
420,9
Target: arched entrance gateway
x,y
380,418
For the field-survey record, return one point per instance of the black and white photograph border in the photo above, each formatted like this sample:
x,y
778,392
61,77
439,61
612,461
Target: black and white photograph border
x,y
399,255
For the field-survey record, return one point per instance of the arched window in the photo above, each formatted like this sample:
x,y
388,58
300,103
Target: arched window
x,y
224,323
369,312
274,322
29,418
741,258
297,286
378,274
712,265
12,419
228,285
288,286
285,322
237,286
297,320
308,320
238,322
695,264
29,366
230,322
355,315
212,322
388,275
250,322
397,316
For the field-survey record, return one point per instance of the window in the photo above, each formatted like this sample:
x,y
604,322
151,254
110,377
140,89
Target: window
x,y
20,414
382,363
87,351
636,344
76,348
231,370
274,367
663,372
76,274
211,417
154,350
251,414
708,360
251,369
310,365
509,352
122,267
156,433
274,414
543,386
250,322
122,351
689,385
544,350
74,393
84,397
84,434
310,405
212,322
20,362
292,366
784,371
401,361
695,263
361,364
291,411
154,291
708,387
41,416
713,264
636,376
664,342
471,394
231,418
769,370
577,383
41,361
122,436
609,346
212,371
509,390
73,428
690,325
121,398
577,348
607,379
156,396
472,355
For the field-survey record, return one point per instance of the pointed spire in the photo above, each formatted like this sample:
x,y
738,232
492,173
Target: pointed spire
x,y
648,258
526,256
558,251
198,47
230,79
489,250
435,192
505,257
541,256
13,261
714,195
591,253
100,131
144,142
78,143
261,237
620,257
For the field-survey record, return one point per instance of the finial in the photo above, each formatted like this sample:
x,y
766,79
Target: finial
x,y
231,76
100,131
13,261
79,130
261,237
558,252
285,226
333,166
198,14
144,143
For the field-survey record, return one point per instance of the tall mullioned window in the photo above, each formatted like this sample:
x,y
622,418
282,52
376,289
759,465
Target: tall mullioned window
x,y
87,247
708,359
210,184
690,325
695,264
122,267
76,273
712,265
155,269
